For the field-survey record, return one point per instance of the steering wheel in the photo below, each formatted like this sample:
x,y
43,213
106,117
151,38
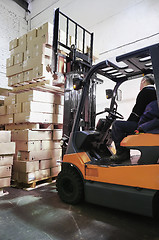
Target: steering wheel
x,y
114,114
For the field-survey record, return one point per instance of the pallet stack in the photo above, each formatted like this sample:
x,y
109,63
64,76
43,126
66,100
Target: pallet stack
x,y
33,112
7,150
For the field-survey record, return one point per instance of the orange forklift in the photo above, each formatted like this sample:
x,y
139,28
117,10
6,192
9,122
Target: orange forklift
x,y
87,171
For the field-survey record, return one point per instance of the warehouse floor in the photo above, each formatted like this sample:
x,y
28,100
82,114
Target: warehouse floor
x,y
39,214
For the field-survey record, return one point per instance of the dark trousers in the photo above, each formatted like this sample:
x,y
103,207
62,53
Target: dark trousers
x,y
121,129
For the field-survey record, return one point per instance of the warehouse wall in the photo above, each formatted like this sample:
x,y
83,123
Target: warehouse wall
x,y
13,24
118,28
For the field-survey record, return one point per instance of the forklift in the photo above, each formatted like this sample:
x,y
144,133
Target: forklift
x,y
87,172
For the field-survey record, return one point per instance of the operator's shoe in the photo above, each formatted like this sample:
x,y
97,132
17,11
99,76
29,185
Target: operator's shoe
x,y
119,158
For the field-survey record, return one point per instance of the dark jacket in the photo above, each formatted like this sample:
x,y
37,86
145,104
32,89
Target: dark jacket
x,y
149,121
145,96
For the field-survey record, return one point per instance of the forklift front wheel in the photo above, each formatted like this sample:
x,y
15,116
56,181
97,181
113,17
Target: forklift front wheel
x,y
70,186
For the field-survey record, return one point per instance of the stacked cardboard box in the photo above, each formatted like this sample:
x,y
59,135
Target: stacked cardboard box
x,y
32,107
37,151
37,154
29,56
7,150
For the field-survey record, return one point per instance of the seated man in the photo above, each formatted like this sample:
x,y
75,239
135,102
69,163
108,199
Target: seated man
x,y
121,129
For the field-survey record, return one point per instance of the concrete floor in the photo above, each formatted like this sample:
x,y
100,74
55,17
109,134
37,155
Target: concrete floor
x,y
39,214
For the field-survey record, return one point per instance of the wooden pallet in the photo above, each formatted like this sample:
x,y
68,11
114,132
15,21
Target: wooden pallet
x,y
42,86
34,184
34,80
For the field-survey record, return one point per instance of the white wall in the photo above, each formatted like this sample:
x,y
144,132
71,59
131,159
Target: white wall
x,y
13,24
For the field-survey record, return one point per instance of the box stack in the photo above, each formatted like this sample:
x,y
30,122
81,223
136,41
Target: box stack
x,y
32,106
7,150
30,55
37,154
37,151
33,112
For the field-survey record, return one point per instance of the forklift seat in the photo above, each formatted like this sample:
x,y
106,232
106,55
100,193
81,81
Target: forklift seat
x,y
146,143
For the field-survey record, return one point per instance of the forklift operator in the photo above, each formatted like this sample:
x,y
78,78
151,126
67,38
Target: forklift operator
x,y
121,129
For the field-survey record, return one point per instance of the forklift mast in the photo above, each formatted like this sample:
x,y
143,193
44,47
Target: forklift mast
x,y
72,59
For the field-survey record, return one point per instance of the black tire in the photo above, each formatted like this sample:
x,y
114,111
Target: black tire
x,y
70,186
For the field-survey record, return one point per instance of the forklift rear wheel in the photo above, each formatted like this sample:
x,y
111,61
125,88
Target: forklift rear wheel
x,y
70,186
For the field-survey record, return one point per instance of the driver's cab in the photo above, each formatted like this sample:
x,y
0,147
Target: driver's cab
x,y
97,143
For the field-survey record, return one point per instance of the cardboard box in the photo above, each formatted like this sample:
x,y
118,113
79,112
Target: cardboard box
x,y
6,160
10,109
20,77
35,95
46,145
5,171
44,173
33,176
5,136
29,135
36,61
28,146
33,156
31,35
26,166
7,148
18,58
42,49
27,177
46,28
5,182
13,44
10,71
23,43
56,144
17,78
38,107
28,54
28,75
46,33
33,117
3,110
9,100
55,171
11,80
6,119
15,108
57,154
57,134
50,163
10,61
40,71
